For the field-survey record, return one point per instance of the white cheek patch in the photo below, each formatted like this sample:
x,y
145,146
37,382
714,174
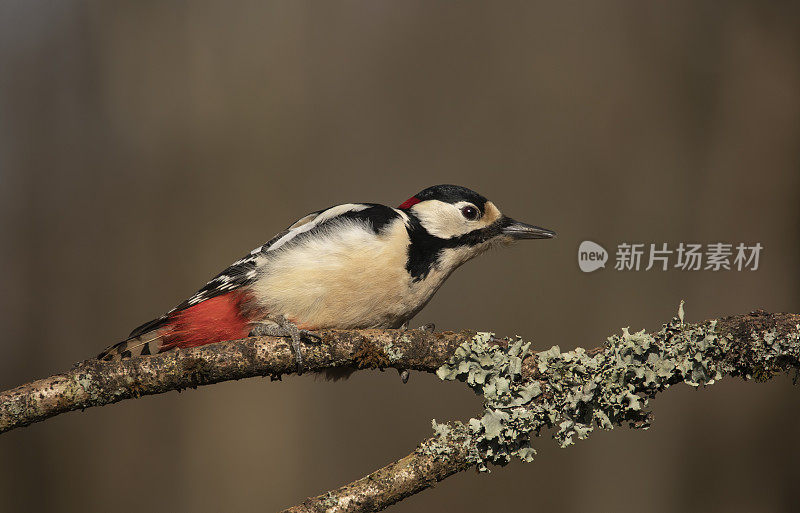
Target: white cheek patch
x,y
441,219
307,223
445,220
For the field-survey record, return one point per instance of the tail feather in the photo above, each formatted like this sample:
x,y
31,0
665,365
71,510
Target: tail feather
x,y
148,343
224,317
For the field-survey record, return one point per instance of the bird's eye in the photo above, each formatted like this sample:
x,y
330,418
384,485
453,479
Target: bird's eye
x,y
469,212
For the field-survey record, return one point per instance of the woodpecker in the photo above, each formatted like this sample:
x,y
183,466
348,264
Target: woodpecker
x,y
350,266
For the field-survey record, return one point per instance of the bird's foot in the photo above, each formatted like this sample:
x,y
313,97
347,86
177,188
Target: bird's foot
x,y
282,327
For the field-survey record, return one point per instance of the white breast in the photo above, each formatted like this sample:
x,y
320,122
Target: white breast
x,y
345,276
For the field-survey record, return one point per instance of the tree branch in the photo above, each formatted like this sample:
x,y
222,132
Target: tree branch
x,y
97,383
524,392
416,472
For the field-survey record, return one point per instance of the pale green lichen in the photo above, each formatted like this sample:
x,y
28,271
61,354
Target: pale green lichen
x,y
392,352
614,386
577,391
450,437
504,429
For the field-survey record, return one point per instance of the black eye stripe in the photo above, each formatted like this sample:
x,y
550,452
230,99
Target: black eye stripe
x,y
425,248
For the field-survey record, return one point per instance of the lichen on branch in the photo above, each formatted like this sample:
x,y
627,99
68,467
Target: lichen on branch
x,y
577,391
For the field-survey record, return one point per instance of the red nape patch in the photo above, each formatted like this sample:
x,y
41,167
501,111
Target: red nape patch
x,y
410,202
214,320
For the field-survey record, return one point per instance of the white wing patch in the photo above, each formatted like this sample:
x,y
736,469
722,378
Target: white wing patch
x,y
308,223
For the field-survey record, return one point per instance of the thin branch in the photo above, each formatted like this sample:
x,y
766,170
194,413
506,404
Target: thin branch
x,y
390,484
454,449
97,383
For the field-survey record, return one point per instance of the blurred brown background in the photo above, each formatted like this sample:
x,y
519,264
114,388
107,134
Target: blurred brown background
x,y
146,145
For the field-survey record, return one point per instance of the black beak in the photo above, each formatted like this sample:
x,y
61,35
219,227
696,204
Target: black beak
x,y
517,230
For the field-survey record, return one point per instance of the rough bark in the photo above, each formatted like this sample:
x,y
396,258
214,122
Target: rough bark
x,y
394,482
97,383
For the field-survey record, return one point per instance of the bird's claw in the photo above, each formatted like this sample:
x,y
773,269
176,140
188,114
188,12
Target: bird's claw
x,y
282,327
309,335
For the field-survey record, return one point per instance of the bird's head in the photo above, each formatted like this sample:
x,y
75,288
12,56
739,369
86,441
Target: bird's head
x,y
452,211
453,223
